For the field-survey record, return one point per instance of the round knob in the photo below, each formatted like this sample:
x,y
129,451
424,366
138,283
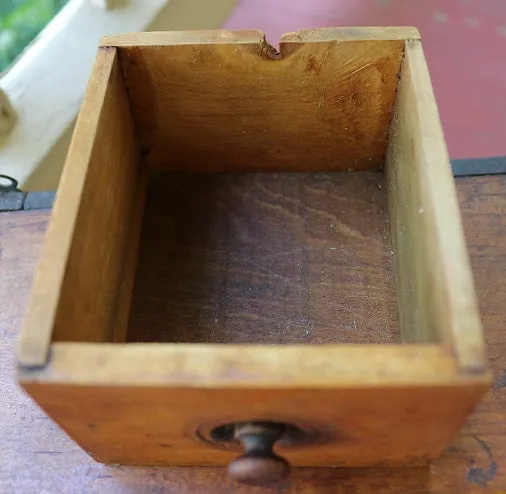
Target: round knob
x,y
259,465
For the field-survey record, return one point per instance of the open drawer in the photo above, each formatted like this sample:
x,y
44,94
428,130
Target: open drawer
x,y
242,235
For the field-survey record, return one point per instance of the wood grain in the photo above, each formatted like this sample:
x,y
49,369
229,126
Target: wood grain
x,y
229,226
226,236
248,366
405,428
80,271
265,258
436,296
344,90
225,36
130,260
226,101
36,456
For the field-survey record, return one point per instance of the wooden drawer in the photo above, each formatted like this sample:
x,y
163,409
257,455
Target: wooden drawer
x,y
327,288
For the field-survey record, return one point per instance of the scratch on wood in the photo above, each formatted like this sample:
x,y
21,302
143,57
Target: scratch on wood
x,y
361,68
321,103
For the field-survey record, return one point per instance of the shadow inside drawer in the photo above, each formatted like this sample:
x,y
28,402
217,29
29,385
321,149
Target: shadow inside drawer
x,y
265,258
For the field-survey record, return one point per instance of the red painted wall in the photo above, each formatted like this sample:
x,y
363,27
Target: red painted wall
x,y
465,45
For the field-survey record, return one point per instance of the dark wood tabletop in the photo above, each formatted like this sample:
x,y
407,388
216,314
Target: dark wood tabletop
x,y
37,457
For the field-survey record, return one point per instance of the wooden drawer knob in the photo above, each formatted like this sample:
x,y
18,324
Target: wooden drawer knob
x,y
259,465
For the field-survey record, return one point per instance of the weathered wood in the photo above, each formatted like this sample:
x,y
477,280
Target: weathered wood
x,y
75,289
37,456
436,297
223,36
374,405
405,429
247,366
130,261
209,101
265,258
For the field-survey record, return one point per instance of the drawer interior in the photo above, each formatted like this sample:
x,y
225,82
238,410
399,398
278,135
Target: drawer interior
x,y
267,258
229,194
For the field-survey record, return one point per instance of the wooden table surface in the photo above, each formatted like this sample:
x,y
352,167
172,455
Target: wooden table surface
x,y
37,457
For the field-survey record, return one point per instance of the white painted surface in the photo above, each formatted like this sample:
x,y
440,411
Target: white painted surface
x,y
46,85
109,4
7,115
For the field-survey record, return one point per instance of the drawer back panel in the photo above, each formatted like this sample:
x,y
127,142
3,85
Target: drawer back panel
x,y
238,105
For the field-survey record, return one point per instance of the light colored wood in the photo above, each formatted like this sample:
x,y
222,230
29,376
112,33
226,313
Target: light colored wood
x,y
130,261
249,366
183,38
172,38
234,104
379,33
175,393
108,154
436,297
373,404
151,426
75,289
38,456
144,403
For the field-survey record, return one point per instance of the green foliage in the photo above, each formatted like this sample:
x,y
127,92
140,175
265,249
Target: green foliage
x,y
20,22
7,6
